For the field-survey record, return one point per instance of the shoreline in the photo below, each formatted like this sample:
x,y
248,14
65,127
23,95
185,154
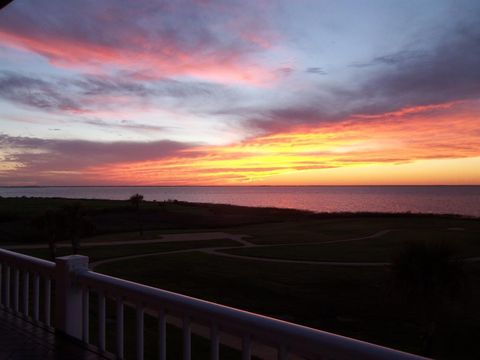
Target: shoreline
x,y
305,212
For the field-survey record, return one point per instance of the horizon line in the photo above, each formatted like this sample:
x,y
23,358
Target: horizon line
x,y
233,186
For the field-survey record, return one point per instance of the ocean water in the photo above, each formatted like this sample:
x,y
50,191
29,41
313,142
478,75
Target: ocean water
x,y
462,200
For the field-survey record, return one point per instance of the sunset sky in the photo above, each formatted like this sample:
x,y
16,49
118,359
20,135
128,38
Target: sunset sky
x,y
199,92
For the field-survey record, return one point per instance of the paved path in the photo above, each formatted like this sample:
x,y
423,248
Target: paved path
x,y
286,261
164,238
94,264
246,244
217,251
376,235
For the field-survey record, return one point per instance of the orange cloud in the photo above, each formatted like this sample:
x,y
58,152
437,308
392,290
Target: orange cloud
x,y
351,143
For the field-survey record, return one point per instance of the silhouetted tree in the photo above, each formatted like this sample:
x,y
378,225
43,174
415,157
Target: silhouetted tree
x,y
67,223
136,200
76,224
46,224
52,226
429,276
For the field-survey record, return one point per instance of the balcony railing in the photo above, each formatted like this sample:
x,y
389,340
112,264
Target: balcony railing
x,y
74,282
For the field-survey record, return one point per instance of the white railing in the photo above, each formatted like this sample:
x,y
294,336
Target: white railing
x,y
42,273
74,284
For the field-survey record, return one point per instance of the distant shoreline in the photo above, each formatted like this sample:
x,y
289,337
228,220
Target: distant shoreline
x,y
438,199
321,214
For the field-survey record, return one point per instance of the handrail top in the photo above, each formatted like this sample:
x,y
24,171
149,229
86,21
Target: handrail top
x,y
263,326
30,262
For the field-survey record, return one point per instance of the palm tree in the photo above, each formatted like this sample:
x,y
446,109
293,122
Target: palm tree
x,y
136,200
431,278
52,225
48,224
74,219
67,223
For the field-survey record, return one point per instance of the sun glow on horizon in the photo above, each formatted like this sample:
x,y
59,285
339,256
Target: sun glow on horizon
x,y
390,151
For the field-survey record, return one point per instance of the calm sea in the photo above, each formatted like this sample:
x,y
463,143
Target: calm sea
x,y
463,200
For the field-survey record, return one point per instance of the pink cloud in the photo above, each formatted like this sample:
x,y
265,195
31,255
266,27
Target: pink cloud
x,y
163,41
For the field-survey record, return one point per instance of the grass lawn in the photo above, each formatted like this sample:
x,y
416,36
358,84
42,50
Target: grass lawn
x,y
147,235
381,249
107,252
338,228
355,302
20,217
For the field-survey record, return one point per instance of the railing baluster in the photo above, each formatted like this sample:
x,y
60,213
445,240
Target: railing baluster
x,y
214,342
187,339
36,296
26,290
246,348
47,305
140,332
7,287
120,330
85,315
16,288
1,285
101,321
162,335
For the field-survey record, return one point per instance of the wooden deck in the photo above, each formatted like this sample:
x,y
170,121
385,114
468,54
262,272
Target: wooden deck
x,y
21,340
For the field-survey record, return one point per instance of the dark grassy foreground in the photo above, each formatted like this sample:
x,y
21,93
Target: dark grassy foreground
x,y
108,252
359,302
466,243
356,302
18,216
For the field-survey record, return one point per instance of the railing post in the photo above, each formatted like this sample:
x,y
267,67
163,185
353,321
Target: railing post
x,y
68,295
